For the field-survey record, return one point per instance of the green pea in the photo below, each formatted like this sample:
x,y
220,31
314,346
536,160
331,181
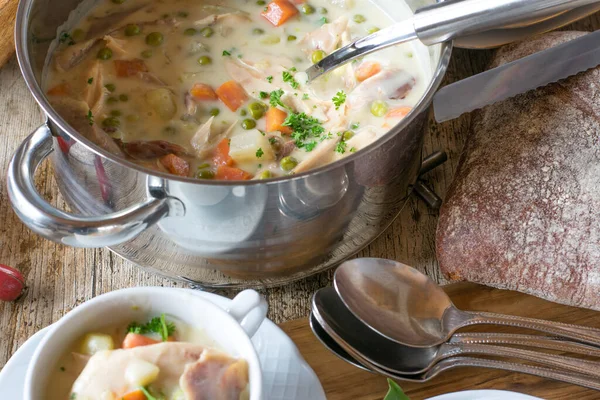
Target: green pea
x,y
190,32
206,174
132,30
112,100
118,1
248,124
205,60
317,56
322,10
214,112
207,32
132,118
359,19
111,122
307,9
204,165
154,39
110,87
291,38
104,54
243,112
379,108
78,35
257,109
265,175
183,14
261,2
372,30
170,130
257,31
146,53
347,135
123,97
115,113
288,163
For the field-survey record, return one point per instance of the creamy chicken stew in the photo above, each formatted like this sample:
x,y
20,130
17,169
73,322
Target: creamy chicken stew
x,y
215,90
163,359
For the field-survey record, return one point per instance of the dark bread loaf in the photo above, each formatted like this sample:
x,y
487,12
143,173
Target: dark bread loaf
x,y
523,212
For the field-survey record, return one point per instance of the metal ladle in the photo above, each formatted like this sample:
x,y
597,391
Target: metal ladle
x,y
445,21
405,306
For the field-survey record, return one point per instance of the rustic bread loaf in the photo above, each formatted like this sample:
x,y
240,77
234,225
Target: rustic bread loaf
x,y
523,212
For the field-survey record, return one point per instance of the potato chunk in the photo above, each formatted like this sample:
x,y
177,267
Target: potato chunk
x,y
250,146
141,373
95,342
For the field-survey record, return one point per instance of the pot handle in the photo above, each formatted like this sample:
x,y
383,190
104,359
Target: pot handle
x,y
74,230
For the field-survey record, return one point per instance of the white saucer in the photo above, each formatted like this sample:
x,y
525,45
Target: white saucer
x,y
484,395
286,376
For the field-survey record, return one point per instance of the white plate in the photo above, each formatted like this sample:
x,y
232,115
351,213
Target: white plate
x,y
484,395
286,376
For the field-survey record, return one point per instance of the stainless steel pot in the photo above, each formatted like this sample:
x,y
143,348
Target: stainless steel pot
x,y
215,234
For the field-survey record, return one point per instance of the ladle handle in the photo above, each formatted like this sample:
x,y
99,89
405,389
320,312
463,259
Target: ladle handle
x,y
570,364
578,333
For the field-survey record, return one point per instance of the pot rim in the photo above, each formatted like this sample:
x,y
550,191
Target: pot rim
x,y
22,47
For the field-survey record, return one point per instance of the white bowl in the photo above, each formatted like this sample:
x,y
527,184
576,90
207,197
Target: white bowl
x,y
230,329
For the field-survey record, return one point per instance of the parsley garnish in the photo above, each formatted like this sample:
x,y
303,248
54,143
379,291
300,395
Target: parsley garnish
x,y
304,127
272,140
289,78
90,80
66,38
327,136
263,95
275,98
323,20
269,78
355,125
90,117
339,99
309,146
226,53
147,394
259,152
352,149
305,96
155,325
293,69
341,147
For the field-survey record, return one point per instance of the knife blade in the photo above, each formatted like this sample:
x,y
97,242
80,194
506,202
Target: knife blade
x,y
520,76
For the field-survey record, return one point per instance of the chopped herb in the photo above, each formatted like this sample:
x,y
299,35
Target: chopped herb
x,y
275,98
62,369
259,153
272,140
73,396
304,127
66,38
269,78
240,55
395,392
147,394
263,95
90,117
352,149
309,146
155,325
262,132
327,136
323,20
339,99
90,80
341,147
289,78
305,96
355,125
293,69
259,165
226,53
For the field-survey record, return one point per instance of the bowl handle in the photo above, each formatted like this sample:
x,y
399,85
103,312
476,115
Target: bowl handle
x,y
74,230
249,309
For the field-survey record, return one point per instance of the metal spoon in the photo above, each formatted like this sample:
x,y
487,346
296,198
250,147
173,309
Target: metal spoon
x,y
339,345
329,309
405,306
445,21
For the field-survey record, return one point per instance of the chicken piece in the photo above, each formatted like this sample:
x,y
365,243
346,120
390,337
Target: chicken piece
x,y
93,93
116,45
106,371
148,150
200,139
327,38
76,113
250,78
214,377
388,84
321,155
103,25
73,55
214,13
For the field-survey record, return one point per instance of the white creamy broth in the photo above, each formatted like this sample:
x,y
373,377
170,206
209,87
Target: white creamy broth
x,y
216,90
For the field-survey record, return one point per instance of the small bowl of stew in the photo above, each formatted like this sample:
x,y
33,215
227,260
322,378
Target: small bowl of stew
x,y
151,343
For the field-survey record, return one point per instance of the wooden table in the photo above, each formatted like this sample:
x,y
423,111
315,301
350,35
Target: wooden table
x,y
60,277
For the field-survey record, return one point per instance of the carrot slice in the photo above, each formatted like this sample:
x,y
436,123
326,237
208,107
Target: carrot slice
x,y
279,11
367,70
175,165
135,395
399,112
274,119
202,91
127,68
227,173
62,89
232,95
221,156
136,340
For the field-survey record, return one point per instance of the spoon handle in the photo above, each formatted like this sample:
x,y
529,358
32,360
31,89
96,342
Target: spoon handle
x,y
540,342
574,332
571,364
550,373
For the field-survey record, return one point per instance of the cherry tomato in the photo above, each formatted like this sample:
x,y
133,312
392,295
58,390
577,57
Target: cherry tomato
x,y
12,283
